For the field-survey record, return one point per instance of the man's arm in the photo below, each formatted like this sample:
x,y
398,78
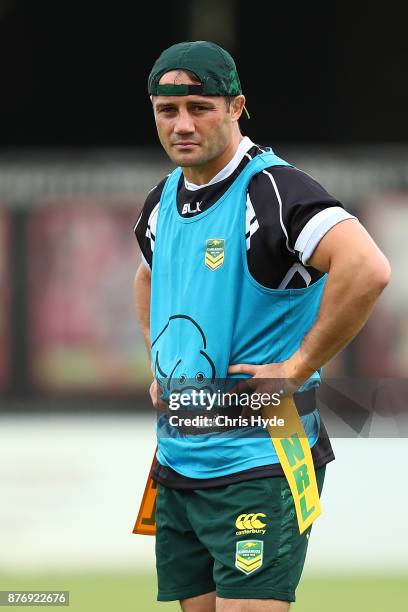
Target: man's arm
x,y
142,285
357,274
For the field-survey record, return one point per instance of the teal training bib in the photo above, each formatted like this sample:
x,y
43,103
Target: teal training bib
x,y
208,312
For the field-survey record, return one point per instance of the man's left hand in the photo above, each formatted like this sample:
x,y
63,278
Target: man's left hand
x,y
284,377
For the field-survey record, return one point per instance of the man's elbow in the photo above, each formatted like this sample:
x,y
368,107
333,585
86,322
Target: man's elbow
x,y
377,274
385,276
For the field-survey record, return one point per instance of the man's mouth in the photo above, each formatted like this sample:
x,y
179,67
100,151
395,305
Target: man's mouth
x,y
185,143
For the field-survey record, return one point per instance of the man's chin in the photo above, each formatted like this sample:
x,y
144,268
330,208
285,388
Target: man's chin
x,y
186,159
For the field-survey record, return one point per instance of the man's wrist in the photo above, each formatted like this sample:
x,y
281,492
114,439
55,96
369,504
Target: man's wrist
x,y
298,369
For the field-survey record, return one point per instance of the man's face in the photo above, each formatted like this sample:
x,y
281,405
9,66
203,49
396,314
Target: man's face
x,y
193,130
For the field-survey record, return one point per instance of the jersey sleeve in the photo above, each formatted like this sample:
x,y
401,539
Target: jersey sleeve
x,y
145,226
307,211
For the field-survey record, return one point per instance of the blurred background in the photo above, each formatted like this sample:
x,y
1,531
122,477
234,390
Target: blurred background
x,y
327,89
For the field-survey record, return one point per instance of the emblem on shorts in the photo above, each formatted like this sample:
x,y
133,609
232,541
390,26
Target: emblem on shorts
x,y
250,523
214,253
249,555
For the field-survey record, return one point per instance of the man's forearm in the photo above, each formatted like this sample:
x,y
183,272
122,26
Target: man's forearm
x,y
142,285
350,294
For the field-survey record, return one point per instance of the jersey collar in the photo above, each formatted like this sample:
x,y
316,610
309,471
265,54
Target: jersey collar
x,y
243,147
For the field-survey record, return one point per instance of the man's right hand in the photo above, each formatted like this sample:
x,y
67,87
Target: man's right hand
x,y
155,393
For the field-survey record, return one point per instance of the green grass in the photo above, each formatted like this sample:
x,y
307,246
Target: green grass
x,y
362,593
137,593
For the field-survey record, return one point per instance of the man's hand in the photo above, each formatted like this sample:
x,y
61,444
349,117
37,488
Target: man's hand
x,y
286,376
155,393
283,378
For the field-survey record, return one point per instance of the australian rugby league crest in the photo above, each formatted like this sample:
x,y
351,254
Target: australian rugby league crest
x,y
214,253
249,555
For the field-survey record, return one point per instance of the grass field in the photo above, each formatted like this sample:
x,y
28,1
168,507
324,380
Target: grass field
x,y
128,593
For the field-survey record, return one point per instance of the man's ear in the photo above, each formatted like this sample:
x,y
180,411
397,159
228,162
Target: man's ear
x,y
152,101
237,106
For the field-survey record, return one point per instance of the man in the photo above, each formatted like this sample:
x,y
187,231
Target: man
x,y
249,268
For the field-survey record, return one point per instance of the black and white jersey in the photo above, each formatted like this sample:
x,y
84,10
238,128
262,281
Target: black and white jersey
x,y
287,214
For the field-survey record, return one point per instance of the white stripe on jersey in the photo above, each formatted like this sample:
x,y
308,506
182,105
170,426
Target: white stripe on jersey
x,y
316,228
280,209
251,222
151,225
138,221
297,267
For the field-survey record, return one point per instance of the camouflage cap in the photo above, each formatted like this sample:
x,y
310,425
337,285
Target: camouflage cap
x,y
213,66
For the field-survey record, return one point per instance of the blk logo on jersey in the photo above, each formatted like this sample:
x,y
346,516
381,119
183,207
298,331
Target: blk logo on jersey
x,y
188,210
214,253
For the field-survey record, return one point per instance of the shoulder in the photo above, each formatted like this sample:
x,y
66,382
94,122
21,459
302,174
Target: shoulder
x,y
286,197
150,207
145,226
294,206
153,197
290,185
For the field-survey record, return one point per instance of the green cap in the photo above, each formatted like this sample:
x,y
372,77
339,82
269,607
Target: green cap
x,y
213,66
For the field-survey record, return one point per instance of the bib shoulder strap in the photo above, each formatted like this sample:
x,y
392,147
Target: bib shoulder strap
x,y
259,163
270,159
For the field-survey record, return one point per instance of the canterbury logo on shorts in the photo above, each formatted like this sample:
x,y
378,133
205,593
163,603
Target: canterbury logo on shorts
x,y
250,523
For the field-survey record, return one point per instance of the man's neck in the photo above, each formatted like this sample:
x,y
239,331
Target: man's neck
x,y
201,175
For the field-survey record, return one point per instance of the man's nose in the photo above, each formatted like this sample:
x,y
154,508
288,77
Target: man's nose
x,y
184,123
